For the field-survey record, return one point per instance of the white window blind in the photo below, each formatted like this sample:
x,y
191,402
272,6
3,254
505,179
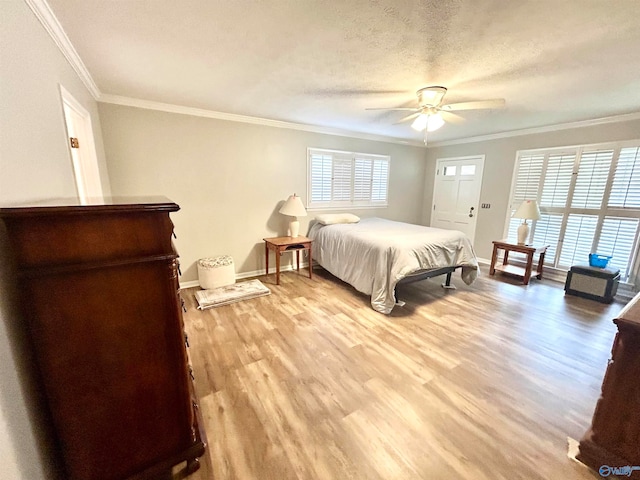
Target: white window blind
x,y
380,180
345,179
578,240
527,185
593,173
625,191
555,189
320,175
341,180
617,239
589,201
546,231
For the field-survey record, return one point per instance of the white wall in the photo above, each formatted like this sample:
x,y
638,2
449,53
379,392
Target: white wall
x,y
230,178
34,164
498,170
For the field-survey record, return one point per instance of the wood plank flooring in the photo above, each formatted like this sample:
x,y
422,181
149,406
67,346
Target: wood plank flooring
x,y
484,382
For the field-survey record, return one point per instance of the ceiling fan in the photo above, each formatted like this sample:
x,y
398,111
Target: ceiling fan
x,y
431,113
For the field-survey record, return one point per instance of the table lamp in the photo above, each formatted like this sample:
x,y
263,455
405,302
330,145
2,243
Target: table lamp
x,y
528,210
294,208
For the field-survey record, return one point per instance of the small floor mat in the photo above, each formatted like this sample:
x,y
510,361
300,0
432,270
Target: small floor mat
x,y
216,297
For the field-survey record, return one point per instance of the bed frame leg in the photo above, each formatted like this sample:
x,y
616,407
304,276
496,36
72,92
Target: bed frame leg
x,y
447,283
400,303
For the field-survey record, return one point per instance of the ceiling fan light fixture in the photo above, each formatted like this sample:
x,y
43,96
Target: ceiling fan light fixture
x,y
434,122
420,123
431,96
430,122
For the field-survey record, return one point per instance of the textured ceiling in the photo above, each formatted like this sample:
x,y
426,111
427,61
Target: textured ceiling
x,y
323,62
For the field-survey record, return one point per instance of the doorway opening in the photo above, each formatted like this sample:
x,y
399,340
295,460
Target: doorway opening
x,y
82,148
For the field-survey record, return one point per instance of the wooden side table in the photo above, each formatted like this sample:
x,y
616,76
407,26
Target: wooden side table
x,y
286,244
528,250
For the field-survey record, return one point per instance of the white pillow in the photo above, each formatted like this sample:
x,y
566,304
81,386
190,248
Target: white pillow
x,y
331,218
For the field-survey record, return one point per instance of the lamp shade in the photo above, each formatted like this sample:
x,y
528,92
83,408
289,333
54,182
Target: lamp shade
x,y
528,210
293,207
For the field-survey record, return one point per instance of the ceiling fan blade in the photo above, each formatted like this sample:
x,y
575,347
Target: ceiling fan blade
x,y
452,117
396,108
494,103
411,116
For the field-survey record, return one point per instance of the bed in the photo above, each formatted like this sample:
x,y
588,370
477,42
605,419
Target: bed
x,y
374,255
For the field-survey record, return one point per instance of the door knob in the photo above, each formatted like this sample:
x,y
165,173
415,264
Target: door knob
x,y
471,212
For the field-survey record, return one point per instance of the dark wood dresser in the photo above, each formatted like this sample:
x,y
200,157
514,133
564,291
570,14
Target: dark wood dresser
x,y
102,309
614,437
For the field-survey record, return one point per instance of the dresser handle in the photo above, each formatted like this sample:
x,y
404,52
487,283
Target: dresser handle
x,y
173,232
184,309
191,374
186,340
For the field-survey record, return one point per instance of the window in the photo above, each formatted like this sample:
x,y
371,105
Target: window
x,y
345,179
468,170
589,201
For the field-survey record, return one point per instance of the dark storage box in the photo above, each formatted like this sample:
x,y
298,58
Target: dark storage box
x,y
600,284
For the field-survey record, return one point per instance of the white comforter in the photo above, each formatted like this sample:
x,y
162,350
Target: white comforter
x,y
375,254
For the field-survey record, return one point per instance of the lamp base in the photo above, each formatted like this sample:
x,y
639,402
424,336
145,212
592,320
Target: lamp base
x,y
294,228
523,233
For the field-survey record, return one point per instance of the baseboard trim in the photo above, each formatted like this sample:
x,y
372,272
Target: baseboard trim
x,y
243,275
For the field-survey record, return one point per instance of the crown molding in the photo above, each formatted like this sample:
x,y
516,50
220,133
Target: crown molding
x,y
232,117
47,18
45,15
546,129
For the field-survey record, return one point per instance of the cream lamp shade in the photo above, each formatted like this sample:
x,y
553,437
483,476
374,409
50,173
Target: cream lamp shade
x,y
294,208
528,210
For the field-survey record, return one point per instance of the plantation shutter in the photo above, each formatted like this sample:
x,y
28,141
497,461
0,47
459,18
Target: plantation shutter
x,y
578,240
362,178
321,173
555,190
344,179
341,179
625,191
546,231
527,185
618,239
380,181
591,181
589,201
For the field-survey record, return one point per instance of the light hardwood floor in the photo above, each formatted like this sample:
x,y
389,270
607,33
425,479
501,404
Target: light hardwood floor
x,y
484,382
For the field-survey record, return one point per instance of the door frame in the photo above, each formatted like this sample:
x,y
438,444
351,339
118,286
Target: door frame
x,y
84,161
481,159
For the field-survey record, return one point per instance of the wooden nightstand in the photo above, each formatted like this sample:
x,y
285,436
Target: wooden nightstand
x,y
528,250
286,244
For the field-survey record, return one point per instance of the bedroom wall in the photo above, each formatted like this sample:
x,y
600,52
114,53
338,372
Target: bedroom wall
x,y
34,164
230,178
498,170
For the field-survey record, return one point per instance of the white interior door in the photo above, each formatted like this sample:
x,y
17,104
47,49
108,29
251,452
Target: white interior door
x,y
82,147
456,194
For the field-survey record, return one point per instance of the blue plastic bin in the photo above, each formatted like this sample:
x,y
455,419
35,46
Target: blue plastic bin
x,y
600,261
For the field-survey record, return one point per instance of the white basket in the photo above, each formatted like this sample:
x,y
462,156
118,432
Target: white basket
x,y
216,272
